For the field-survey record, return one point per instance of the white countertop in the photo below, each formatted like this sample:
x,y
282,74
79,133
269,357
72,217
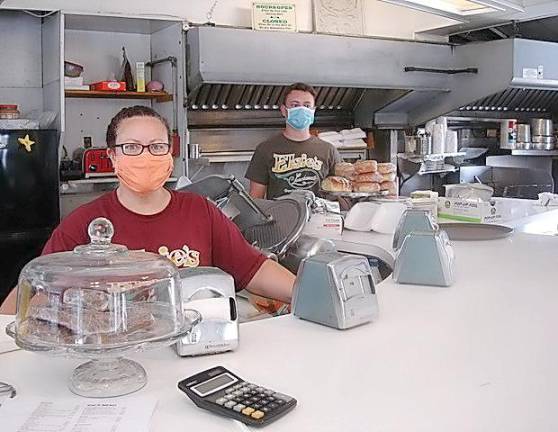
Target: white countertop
x,y
478,356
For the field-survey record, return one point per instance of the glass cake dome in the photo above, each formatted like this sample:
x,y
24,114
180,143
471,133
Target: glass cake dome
x,y
100,302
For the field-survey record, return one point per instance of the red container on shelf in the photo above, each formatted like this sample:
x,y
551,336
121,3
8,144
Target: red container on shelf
x,y
108,86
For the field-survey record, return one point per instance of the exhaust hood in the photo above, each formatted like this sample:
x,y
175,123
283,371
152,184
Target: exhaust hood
x,y
516,78
238,77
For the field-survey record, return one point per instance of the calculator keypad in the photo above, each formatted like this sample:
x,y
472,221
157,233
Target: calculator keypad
x,y
251,400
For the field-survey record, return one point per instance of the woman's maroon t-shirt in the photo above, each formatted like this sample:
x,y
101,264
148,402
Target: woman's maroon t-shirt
x,y
190,231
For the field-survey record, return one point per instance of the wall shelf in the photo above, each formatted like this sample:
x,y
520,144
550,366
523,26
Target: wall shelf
x,y
430,157
157,96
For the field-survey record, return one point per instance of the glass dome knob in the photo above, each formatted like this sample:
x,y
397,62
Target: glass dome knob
x,y
100,231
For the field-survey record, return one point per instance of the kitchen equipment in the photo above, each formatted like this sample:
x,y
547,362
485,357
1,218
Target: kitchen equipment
x,y
420,144
72,69
544,146
220,391
336,290
96,163
519,145
508,134
541,127
304,247
413,220
544,142
476,231
287,219
270,225
100,301
210,291
9,112
540,139
230,196
425,258
523,134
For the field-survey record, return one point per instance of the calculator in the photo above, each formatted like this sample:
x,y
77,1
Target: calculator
x,y
222,392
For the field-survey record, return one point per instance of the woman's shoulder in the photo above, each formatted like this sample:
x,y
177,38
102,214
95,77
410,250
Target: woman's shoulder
x,y
190,200
97,207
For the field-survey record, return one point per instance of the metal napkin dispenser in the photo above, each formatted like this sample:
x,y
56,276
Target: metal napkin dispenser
x,y
413,220
210,291
425,258
336,290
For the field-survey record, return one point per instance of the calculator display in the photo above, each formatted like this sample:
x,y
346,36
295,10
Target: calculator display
x,y
213,384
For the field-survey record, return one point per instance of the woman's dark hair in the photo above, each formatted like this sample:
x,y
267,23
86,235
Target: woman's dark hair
x,y
129,112
302,87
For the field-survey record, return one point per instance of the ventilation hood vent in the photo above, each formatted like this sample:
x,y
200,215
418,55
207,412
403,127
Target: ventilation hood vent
x,y
239,77
517,78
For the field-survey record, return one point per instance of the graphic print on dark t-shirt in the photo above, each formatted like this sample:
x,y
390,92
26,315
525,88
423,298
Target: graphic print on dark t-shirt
x,y
284,165
298,172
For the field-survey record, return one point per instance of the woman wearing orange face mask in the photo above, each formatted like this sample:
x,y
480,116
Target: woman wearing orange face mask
x,y
183,227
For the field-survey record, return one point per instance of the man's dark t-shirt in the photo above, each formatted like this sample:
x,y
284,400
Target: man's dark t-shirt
x,y
284,165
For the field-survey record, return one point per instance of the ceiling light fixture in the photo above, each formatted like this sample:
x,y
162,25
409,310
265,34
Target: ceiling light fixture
x,y
458,10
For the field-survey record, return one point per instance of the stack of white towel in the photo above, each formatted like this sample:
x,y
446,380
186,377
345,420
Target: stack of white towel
x,y
345,138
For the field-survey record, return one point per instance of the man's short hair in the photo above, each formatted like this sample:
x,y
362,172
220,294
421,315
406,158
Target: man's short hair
x,y
302,87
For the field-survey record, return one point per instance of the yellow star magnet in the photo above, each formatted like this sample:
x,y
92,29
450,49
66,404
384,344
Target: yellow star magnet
x,y
26,142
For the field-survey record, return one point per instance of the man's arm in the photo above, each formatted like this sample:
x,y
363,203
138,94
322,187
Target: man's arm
x,y
9,305
272,281
257,190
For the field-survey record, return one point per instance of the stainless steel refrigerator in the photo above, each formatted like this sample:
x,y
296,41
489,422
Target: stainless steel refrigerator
x,y
29,201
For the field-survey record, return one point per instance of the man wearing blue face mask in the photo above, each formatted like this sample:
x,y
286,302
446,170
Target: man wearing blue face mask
x,y
294,159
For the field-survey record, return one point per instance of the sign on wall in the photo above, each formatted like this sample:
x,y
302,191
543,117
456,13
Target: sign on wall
x,y
274,16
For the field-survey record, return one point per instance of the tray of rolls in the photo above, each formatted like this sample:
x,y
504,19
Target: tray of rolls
x,y
362,179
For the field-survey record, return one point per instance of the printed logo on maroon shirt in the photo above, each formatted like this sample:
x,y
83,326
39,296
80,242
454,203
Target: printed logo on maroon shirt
x,y
181,257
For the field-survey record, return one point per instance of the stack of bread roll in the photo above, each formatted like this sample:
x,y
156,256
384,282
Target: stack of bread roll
x,y
362,176
389,177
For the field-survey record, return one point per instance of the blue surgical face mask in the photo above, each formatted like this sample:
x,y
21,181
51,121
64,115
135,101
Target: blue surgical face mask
x,y
300,117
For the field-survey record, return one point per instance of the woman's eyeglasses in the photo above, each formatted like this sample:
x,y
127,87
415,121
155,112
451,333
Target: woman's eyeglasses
x,y
134,149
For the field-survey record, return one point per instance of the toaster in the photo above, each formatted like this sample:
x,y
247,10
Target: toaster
x,y
336,290
210,291
96,163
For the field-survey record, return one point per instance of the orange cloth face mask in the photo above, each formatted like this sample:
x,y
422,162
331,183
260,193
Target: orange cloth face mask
x,y
143,173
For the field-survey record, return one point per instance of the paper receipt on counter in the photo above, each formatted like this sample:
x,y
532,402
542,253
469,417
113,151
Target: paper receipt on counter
x,y
77,415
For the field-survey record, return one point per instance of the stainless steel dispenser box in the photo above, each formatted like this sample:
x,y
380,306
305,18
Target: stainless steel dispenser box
x,y
210,291
336,290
